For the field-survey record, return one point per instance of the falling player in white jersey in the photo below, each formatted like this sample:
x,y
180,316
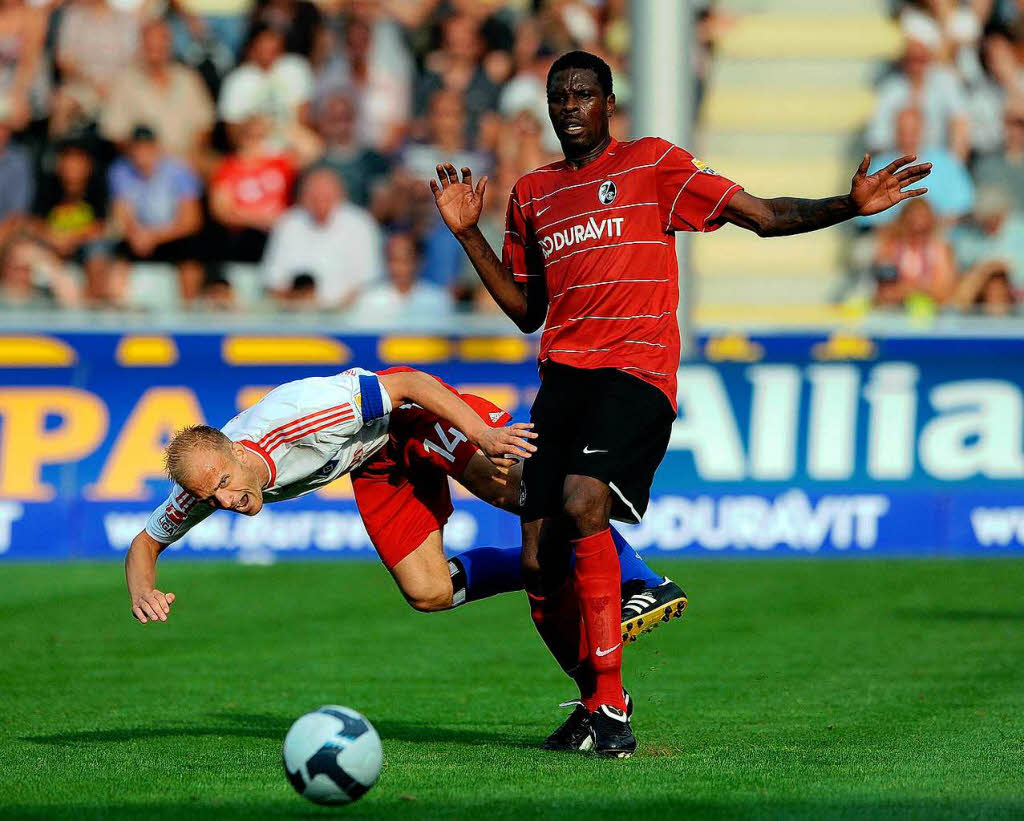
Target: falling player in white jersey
x,y
400,434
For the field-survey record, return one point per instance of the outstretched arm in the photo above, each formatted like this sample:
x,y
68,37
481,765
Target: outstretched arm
x,y
148,603
497,443
460,205
869,194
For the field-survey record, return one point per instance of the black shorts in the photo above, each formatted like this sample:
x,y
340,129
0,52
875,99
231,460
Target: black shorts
x,y
602,423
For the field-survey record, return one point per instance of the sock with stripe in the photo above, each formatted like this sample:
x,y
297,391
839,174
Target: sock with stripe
x,y
483,572
597,585
631,564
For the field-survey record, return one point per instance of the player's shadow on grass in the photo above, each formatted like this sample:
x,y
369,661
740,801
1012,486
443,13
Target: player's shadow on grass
x,y
263,725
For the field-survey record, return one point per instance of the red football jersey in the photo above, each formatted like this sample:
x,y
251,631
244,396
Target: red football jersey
x,y
603,237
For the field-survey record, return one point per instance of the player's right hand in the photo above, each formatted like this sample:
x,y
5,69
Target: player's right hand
x,y
152,606
504,446
460,203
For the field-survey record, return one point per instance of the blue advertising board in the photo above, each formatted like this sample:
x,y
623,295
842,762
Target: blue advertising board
x,y
784,445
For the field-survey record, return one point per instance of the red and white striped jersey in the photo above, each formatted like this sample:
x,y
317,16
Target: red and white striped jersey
x,y
309,432
603,237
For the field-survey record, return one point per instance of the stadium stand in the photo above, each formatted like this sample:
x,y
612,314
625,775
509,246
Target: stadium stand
x,y
377,92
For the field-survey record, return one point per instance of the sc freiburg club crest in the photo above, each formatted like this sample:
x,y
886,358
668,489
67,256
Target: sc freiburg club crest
x,y
606,193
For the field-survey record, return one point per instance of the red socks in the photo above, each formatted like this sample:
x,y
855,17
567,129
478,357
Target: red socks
x,y
596,574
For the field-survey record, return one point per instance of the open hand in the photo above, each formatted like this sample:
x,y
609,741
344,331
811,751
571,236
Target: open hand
x,y
886,187
460,203
500,445
152,606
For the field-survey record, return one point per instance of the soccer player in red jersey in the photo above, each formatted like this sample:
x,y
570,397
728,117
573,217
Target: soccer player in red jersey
x,y
589,252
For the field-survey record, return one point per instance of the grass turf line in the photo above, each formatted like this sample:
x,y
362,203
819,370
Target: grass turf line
x,y
793,689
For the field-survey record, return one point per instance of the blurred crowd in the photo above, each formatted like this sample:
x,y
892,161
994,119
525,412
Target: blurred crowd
x,y
294,137
955,99
291,140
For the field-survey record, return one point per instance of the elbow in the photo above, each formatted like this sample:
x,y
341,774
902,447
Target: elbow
x,y
765,228
529,324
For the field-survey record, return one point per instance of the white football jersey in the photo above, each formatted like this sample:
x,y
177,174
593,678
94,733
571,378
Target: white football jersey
x,y
308,432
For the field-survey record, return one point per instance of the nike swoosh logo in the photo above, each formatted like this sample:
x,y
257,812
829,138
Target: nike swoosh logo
x,y
542,210
601,652
588,451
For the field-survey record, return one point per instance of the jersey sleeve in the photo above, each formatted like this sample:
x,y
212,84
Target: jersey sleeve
x,y
691,196
516,255
179,513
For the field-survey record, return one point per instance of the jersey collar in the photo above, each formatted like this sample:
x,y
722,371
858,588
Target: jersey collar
x,y
266,457
609,150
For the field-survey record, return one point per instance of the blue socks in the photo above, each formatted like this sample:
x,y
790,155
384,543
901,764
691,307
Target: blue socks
x,y
483,572
488,571
631,565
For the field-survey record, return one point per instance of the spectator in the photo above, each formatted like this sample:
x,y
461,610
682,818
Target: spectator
x,y
445,139
527,90
361,168
1004,64
249,191
24,80
32,277
171,97
298,20
274,84
95,43
71,214
156,210
373,64
403,300
933,89
1007,167
457,67
913,258
16,182
950,189
333,241
991,250
446,143
300,295
212,30
218,295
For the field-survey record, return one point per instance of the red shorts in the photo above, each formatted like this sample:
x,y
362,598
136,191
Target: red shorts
x,y
402,490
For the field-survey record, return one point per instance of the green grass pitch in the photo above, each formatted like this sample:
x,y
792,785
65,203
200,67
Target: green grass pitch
x,y
791,689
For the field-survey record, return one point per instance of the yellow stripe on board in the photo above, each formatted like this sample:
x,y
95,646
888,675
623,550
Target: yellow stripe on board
x,y
250,395
153,351
505,396
340,488
512,349
35,352
406,350
284,350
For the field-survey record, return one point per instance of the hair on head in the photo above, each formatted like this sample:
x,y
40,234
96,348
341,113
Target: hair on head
x,y
185,442
587,61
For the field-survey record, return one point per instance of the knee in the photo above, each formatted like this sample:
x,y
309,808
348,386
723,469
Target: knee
x,y
430,598
586,503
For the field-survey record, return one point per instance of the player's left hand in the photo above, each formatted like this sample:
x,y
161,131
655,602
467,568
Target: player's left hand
x,y
887,186
500,445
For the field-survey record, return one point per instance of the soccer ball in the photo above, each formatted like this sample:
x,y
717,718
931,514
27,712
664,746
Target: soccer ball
x,y
332,755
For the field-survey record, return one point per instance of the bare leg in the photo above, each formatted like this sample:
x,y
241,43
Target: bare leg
x,y
423,576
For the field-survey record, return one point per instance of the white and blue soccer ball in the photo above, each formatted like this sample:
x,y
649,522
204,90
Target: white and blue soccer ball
x,y
332,755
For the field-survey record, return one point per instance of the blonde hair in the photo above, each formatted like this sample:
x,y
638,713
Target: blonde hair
x,y
185,442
